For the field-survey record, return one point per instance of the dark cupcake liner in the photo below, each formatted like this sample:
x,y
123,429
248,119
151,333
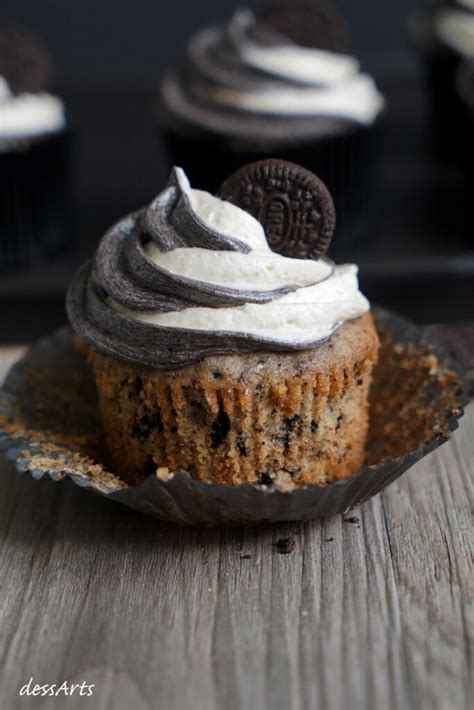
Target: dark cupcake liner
x,y
451,122
34,202
345,162
49,426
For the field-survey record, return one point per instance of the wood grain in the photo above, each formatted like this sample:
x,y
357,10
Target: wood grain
x,y
368,615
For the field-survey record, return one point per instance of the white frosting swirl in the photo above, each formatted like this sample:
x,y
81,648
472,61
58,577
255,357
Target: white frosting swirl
x,y
356,99
238,73
328,84
259,269
191,276
316,67
307,315
27,115
323,300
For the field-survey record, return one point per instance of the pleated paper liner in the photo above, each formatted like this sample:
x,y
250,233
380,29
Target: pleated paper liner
x,y
49,425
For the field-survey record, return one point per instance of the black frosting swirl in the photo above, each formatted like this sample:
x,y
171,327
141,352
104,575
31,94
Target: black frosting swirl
x,y
123,276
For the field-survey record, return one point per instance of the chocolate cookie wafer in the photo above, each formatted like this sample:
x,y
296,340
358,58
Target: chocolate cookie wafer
x,y
309,23
24,60
294,206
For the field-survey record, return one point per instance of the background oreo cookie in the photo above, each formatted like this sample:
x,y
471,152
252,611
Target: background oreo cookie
x,y
309,23
24,60
294,206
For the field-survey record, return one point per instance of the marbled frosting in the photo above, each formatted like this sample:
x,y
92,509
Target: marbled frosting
x,y
245,79
192,275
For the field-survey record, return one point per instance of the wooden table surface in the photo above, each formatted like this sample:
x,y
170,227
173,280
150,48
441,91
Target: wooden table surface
x,y
370,614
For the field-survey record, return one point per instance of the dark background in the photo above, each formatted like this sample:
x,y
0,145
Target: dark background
x,y
109,55
118,45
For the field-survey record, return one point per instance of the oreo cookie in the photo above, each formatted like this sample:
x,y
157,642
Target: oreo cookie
x,y
309,23
293,205
24,60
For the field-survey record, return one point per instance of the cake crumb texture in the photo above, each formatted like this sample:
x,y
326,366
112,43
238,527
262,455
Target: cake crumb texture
x,y
287,419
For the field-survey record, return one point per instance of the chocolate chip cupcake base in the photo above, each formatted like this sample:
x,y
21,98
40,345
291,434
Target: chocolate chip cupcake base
x,y
285,418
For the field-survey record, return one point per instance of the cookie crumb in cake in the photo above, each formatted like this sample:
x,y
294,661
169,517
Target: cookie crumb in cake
x,y
164,474
285,545
220,429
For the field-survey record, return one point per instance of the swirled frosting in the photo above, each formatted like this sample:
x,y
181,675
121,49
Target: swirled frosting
x,y
191,276
25,116
238,73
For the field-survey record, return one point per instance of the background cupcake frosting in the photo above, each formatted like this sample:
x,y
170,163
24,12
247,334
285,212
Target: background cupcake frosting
x,y
237,73
27,115
193,275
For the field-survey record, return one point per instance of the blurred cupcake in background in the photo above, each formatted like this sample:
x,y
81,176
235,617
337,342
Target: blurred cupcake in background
x,y
34,147
465,86
444,33
277,86
465,90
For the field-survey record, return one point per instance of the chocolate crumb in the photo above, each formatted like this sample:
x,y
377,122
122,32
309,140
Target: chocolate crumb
x,y
220,428
329,539
285,545
292,421
264,479
240,445
352,520
245,557
146,424
149,469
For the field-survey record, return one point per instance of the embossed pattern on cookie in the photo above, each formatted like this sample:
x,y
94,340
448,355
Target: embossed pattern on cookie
x,y
293,205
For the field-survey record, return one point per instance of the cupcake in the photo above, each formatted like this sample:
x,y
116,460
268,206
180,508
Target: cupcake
x,y
253,89
214,355
444,33
34,146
